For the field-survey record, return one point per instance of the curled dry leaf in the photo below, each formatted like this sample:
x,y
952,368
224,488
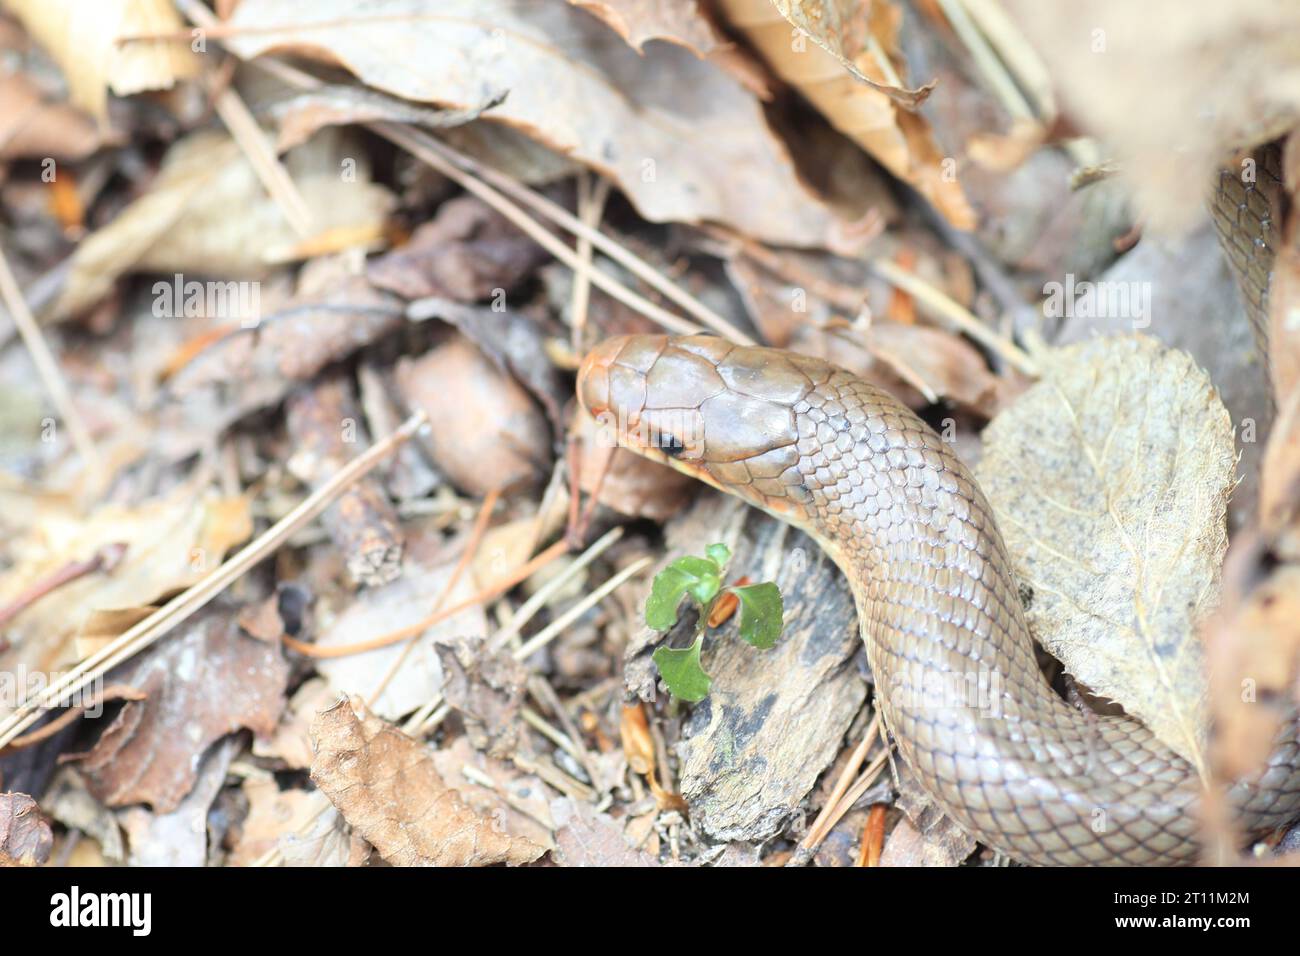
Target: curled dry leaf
x,y
484,430
25,835
302,115
385,785
683,139
851,73
1110,481
87,41
202,684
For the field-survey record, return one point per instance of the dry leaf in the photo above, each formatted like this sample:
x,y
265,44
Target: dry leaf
x,y
183,224
203,683
385,785
272,814
586,837
1110,481
25,836
487,687
85,40
326,841
291,742
850,72
484,429
683,139
376,611
497,789
32,127
180,837
170,541
639,21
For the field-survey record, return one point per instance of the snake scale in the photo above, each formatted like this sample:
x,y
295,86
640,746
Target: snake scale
x,y
1015,765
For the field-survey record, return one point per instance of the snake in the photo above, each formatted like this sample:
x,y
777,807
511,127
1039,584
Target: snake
x,y
1013,763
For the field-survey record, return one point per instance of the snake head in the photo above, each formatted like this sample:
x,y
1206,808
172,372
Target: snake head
x,y
721,413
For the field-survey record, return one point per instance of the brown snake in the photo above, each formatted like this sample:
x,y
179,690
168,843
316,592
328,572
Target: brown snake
x,y
1016,766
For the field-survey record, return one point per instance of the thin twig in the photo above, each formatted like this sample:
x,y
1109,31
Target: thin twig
x,y
945,308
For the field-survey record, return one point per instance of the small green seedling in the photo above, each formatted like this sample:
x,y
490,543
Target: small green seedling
x,y
700,579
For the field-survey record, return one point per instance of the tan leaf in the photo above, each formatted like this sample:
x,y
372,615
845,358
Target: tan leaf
x,y
850,70
1110,481
204,683
86,40
385,785
170,542
376,611
183,223
683,139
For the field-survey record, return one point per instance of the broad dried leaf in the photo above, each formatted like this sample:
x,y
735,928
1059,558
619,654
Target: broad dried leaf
x,y
385,785
183,224
1110,481
411,598
683,139
25,836
207,682
850,72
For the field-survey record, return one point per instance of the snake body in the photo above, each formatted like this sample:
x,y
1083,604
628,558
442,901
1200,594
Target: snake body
x,y
956,675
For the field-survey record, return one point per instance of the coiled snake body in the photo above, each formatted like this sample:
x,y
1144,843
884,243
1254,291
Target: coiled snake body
x,y
891,504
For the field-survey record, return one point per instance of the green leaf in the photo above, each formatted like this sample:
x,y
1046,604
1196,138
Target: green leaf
x,y
761,613
720,554
698,577
681,671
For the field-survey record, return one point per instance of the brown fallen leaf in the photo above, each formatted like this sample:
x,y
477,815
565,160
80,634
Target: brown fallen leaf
x,y
498,790
682,138
1110,481
171,542
844,58
183,223
385,785
291,741
586,837
32,127
180,836
25,837
1252,648
924,835
484,429
394,691
468,253
203,683
272,813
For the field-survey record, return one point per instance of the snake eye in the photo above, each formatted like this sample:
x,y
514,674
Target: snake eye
x,y
672,446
